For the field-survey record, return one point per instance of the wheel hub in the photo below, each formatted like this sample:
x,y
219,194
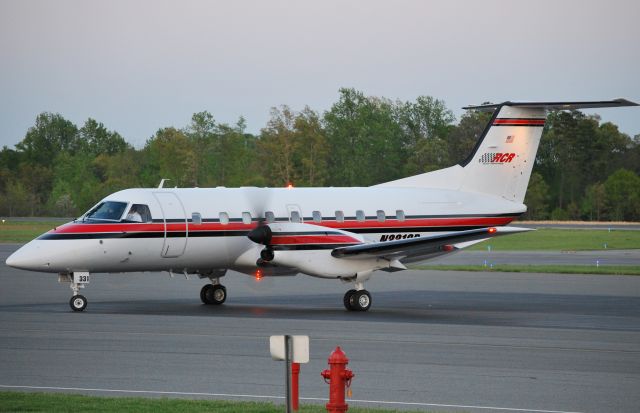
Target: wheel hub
x,y
363,300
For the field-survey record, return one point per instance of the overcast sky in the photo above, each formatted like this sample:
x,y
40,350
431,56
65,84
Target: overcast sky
x,y
137,66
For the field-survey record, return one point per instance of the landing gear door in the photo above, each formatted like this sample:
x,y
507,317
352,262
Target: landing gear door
x,y
175,224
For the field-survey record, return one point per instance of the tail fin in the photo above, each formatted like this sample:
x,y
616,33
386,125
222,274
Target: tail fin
x,y
502,160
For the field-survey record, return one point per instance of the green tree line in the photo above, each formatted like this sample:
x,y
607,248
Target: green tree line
x,y
585,169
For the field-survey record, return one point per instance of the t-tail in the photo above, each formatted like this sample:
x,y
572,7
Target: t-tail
x,y
501,162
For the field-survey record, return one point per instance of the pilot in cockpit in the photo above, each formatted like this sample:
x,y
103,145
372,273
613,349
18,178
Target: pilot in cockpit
x,y
134,215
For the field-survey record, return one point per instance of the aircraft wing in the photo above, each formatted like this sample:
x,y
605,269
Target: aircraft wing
x,y
415,249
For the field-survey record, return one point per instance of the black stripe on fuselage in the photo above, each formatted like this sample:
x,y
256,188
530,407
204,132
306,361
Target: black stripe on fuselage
x,y
137,235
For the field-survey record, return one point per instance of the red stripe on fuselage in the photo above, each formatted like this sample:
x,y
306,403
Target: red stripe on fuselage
x,y
82,228
312,239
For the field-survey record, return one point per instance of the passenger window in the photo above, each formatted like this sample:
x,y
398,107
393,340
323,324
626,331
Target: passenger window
x,y
138,213
360,215
317,216
339,216
246,218
270,217
295,216
400,215
380,215
196,218
224,218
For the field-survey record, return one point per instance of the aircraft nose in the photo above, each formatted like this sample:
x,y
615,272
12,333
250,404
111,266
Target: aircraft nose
x,y
17,260
24,258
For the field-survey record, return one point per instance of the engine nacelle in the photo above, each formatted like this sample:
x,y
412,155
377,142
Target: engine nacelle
x,y
308,247
320,263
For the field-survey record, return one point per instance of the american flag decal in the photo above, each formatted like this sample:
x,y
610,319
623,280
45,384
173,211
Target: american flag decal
x,y
510,139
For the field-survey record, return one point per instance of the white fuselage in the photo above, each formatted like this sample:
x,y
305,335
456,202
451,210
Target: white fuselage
x,y
205,229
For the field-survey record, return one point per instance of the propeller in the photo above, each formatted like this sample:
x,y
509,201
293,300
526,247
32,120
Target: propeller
x,y
259,201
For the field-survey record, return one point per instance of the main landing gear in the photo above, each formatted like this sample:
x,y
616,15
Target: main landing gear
x,y
357,300
215,293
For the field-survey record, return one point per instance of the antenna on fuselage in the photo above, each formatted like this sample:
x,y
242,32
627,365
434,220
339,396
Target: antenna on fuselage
x,y
162,181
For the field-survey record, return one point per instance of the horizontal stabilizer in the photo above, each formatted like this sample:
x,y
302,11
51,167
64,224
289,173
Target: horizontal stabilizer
x,y
556,105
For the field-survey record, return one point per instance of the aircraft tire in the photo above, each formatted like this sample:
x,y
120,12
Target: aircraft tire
x,y
218,294
78,302
360,300
213,294
347,300
203,293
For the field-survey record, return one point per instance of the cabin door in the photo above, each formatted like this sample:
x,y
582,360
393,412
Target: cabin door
x,y
175,224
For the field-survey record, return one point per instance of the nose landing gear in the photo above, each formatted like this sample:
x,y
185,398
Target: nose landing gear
x,y
76,280
78,302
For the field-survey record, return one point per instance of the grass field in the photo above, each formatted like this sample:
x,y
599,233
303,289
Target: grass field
x,y
58,402
556,269
551,239
23,231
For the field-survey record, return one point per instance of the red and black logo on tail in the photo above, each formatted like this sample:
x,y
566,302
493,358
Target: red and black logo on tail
x,y
497,158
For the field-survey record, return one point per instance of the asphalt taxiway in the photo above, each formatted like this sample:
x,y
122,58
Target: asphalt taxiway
x,y
440,341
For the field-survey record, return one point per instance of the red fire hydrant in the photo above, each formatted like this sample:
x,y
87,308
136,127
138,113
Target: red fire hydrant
x,y
338,377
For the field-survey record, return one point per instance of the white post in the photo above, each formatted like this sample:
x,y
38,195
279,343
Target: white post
x,y
288,353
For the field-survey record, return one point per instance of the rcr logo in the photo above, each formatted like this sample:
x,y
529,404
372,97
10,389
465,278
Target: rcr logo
x,y
495,158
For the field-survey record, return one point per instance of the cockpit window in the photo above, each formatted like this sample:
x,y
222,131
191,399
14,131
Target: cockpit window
x,y
138,213
106,211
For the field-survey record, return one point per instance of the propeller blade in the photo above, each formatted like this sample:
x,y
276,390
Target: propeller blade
x,y
258,200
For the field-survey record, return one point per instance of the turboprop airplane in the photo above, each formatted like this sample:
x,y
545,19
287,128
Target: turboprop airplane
x,y
337,233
